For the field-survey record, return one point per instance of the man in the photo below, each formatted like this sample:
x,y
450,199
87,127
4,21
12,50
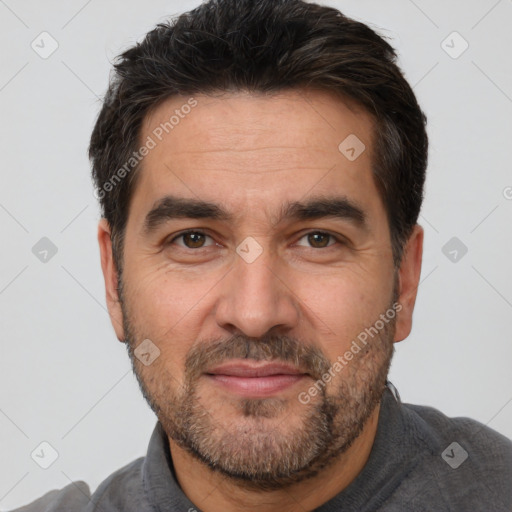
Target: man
x,y
260,167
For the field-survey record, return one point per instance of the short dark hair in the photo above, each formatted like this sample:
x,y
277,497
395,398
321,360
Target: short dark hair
x,y
263,46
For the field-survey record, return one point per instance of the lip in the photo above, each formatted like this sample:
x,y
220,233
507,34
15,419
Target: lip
x,y
262,369
255,380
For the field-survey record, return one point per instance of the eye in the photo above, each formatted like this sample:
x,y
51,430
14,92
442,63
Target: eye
x,y
191,239
319,239
194,239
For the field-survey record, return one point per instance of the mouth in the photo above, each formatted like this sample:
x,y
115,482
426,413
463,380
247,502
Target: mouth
x,y
255,379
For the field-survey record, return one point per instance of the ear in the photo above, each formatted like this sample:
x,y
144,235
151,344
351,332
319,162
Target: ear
x,y
111,278
409,278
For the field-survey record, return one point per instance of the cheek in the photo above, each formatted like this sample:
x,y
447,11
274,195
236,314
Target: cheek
x,y
161,296
167,307
341,306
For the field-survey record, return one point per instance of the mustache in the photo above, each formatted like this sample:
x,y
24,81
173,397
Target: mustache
x,y
305,357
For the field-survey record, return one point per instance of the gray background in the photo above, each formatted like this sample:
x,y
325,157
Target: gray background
x,y
66,380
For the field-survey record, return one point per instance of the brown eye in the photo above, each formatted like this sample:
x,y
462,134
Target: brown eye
x,y
319,239
191,240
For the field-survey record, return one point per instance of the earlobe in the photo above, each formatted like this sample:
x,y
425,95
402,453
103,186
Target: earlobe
x,y
409,277
110,276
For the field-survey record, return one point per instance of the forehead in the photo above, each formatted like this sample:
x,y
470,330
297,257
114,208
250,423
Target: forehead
x,y
245,148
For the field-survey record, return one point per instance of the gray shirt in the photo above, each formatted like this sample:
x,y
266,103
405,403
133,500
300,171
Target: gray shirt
x,y
421,460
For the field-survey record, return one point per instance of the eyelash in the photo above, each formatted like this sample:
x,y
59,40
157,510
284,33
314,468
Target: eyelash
x,y
199,232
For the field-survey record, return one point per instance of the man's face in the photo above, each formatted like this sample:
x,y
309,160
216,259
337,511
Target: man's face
x,y
259,279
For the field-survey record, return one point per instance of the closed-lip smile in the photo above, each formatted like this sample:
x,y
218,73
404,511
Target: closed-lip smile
x,y
255,379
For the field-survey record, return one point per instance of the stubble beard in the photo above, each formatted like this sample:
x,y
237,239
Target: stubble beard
x,y
267,449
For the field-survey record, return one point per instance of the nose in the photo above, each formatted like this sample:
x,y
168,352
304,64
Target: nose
x,y
255,299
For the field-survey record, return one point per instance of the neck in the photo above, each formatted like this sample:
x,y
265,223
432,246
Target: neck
x,y
214,492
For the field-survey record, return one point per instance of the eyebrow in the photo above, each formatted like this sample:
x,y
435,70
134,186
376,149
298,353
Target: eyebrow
x,y
171,207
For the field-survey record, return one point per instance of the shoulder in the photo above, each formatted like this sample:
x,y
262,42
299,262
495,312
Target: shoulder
x,y
488,447
72,498
466,461
123,488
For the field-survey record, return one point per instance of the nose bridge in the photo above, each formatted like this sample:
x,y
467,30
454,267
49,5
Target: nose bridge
x,y
254,299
